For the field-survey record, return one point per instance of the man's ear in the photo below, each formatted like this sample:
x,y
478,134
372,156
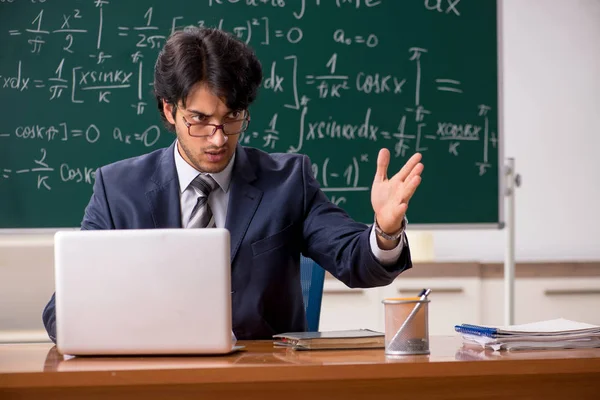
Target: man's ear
x,y
168,110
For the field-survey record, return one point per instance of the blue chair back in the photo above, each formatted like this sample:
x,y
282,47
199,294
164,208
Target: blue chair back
x,y
312,277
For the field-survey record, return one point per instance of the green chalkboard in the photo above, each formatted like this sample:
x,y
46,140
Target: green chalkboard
x,y
343,78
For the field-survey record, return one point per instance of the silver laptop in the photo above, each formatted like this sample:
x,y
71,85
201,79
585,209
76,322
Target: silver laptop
x,y
155,291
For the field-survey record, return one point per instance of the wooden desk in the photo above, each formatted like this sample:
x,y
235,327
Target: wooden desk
x,y
262,372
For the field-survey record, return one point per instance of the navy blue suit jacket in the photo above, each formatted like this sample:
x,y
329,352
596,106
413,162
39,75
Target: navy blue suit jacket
x,y
276,212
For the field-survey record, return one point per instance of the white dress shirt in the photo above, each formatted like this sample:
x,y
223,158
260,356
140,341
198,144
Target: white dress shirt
x,y
219,201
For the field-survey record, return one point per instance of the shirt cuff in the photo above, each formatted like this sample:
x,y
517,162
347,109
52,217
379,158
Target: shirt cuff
x,y
386,257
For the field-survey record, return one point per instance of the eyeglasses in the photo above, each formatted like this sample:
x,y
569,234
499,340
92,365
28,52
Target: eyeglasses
x,y
229,128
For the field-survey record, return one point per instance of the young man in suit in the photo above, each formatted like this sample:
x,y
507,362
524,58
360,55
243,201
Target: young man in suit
x,y
204,82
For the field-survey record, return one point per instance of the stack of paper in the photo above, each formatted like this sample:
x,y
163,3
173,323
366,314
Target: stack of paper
x,y
552,334
350,339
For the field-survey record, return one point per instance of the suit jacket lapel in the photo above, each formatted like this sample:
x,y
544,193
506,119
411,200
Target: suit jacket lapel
x,y
243,200
163,192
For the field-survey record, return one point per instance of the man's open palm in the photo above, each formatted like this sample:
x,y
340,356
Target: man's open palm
x,y
390,197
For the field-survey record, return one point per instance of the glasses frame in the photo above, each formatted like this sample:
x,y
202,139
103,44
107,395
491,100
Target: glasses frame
x,y
216,127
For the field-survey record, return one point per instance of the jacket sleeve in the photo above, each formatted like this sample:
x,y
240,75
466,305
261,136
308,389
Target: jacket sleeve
x,y
97,216
341,245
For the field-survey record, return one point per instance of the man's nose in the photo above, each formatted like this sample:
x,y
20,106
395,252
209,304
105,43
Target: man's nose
x,y
218,138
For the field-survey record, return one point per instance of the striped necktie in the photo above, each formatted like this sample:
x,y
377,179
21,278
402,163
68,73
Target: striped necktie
x,y
202,216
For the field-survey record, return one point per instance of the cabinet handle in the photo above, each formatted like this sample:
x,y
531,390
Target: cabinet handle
x,y
434,290
342,291
559,292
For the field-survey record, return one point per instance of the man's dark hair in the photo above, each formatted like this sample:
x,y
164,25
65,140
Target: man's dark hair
x,y
225,64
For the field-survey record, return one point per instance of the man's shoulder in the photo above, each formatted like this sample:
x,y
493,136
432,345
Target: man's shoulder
x,y
134,166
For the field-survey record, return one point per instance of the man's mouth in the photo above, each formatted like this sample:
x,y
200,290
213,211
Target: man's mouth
x,y
215,155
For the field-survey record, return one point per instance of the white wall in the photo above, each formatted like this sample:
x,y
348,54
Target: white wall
x,y
552,129
26,284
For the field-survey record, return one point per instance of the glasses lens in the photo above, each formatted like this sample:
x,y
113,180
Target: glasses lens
x,y
235,127
200,130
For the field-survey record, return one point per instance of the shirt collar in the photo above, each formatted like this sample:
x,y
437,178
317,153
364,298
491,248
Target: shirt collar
x,y
186,173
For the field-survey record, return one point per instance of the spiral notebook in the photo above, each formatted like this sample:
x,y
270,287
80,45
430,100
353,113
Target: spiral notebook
x,y
554,327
